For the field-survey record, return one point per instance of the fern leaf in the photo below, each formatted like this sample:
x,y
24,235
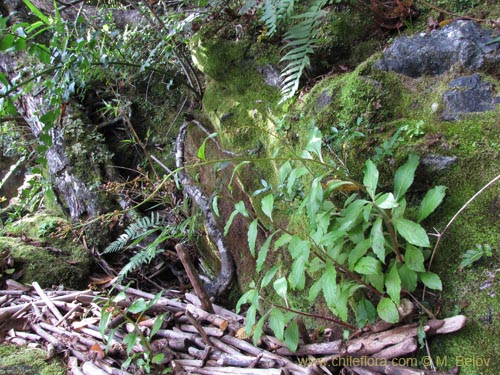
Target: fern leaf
x,y
302,38
135,232
117,245
247,6
143,257
269,17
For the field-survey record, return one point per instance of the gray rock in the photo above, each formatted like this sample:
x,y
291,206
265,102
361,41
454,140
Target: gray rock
x,y
271,75
461,42
438,162
466,95
323,100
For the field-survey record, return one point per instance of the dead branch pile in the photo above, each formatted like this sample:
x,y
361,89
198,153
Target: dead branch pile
x,y
192,340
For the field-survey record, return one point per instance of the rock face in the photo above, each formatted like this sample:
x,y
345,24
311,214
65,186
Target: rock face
x,y
462,42
466,95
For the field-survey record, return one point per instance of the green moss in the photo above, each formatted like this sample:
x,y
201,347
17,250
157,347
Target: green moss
x,y
22,360
43,258
342,99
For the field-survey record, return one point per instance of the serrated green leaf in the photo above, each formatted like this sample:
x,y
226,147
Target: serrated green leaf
x,y
157,324
377,280
368,266
130,339
281,287
431,201
261,258
359,250
378,240
386,201
414,259
292,336
408,278
252,236
387,310
297,277
258,330
250,296
329,284
294,175
412,232
268,205
283,240
269,276
404,176
314,142
314,290
250,318
138,306
365,313
239,208
393,284
370,179
314,198
352,215
431,280
277,323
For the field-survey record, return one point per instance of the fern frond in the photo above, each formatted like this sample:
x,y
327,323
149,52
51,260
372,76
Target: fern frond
x,y
135,231
276,13
143,257
302,38
248,5
270,17
117,245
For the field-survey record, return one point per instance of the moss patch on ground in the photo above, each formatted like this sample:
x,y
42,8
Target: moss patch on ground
x,y
44,257
22,360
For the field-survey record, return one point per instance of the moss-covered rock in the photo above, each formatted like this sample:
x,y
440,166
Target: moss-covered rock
x,y
368,113
22,360
43,253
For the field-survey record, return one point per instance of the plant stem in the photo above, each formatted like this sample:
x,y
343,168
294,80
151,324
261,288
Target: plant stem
x,y
440,235
315,316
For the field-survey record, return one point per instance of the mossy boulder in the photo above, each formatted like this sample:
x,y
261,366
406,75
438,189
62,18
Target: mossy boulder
x,y
16,360
43,252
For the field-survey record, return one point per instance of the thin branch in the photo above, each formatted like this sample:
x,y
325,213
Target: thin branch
x,y
440,235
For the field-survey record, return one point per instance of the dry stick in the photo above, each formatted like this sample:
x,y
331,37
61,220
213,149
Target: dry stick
x,y
249,348
7,311
48,302
194,279
219,310
199,328
68,314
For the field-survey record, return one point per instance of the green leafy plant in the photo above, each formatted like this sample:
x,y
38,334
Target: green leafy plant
x,y
358,247
145,357
137,233
472,256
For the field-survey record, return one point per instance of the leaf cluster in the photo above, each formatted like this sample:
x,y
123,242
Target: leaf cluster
x,y
131,316
359,256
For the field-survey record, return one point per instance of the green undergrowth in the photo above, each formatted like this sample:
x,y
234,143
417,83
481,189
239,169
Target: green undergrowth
x,y
383,116
27,361
44,258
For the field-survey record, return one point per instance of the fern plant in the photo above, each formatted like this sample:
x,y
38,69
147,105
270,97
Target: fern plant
x,y
134,235
300,39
